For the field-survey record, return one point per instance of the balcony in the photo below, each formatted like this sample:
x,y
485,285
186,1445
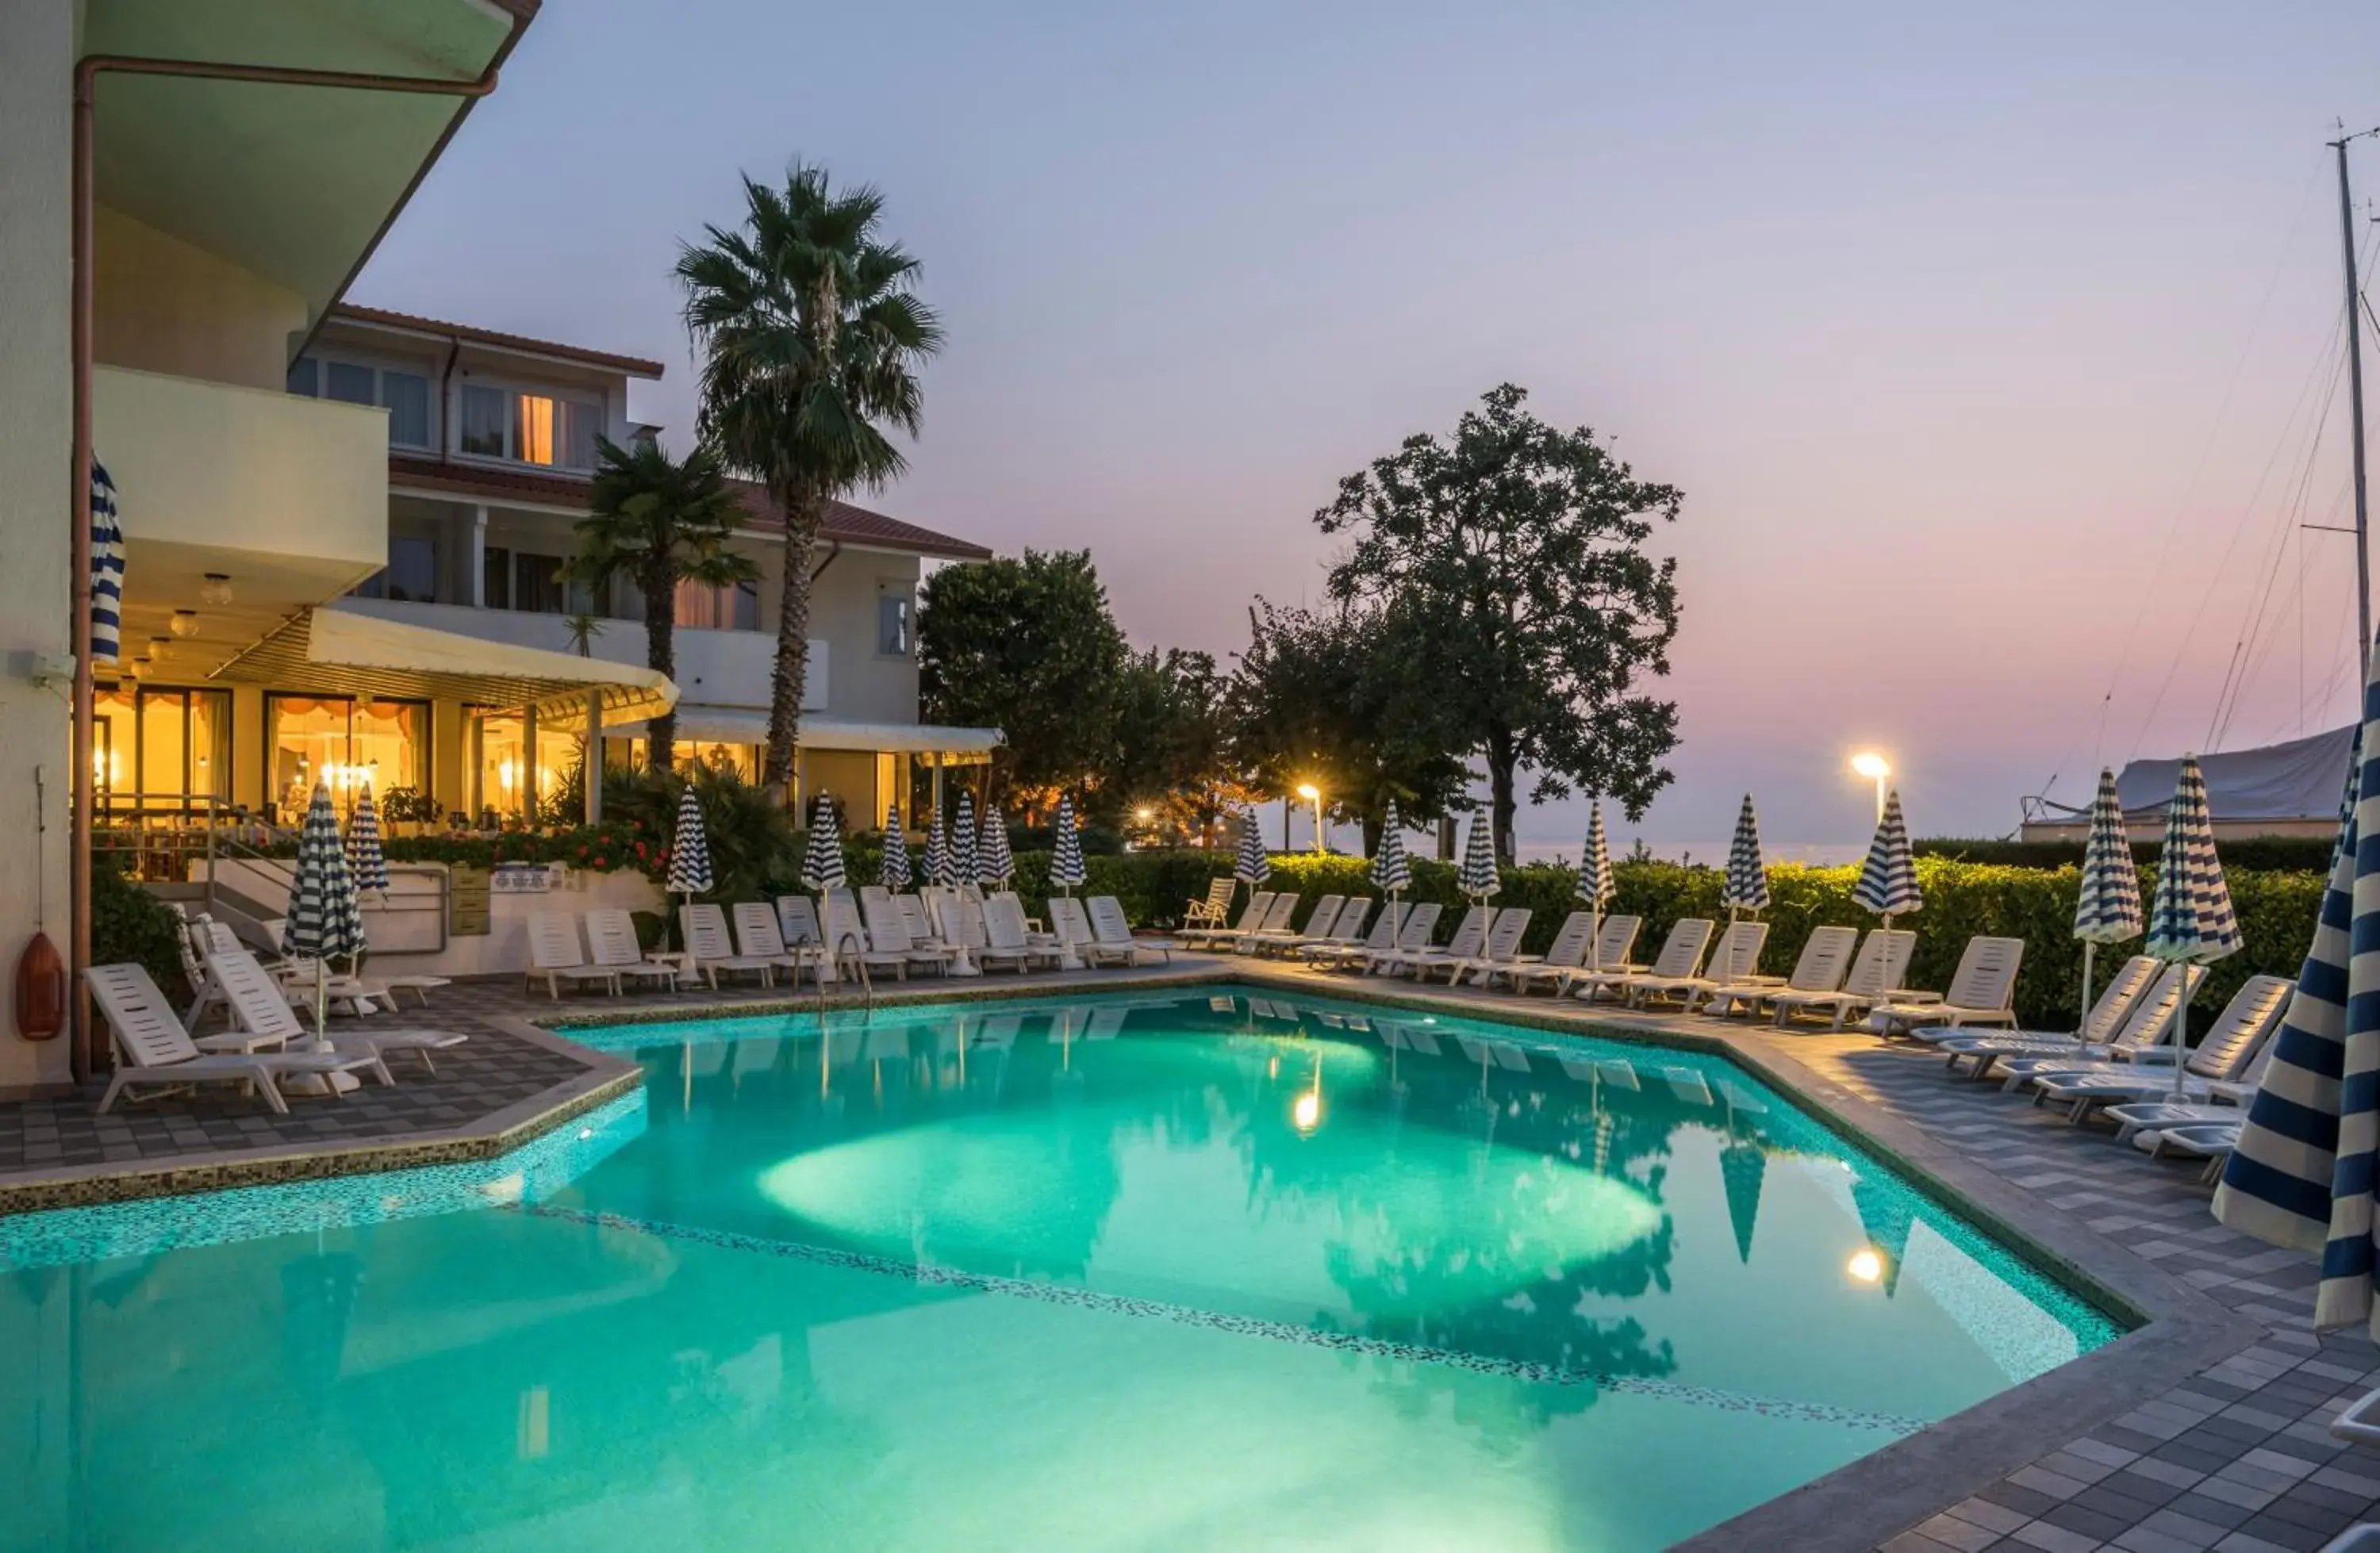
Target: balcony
x,y
717,668
285,497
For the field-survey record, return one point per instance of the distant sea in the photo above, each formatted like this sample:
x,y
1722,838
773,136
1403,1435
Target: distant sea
x,y
1817,853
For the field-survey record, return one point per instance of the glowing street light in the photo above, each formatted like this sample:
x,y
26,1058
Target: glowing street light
x,y
1876,769
1313,794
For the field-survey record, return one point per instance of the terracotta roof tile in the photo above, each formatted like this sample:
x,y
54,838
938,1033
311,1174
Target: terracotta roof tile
x,y
844,523
635,366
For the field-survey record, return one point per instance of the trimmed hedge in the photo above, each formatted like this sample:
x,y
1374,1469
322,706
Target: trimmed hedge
x,y
2276,911
2261,854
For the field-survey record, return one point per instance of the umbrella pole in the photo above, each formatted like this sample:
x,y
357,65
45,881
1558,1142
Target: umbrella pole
x,y
2083,1012
2181,1034
321,1005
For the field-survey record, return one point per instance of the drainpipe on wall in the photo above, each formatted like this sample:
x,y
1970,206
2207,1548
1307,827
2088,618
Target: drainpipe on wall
x,y
85,1053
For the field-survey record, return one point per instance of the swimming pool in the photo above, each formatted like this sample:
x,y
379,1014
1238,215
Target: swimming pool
x,y
1208,1269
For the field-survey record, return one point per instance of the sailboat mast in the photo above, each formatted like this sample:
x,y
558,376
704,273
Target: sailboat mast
x,y
2355,407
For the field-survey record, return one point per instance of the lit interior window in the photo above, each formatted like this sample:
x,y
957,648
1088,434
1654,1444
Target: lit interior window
x,y
535,430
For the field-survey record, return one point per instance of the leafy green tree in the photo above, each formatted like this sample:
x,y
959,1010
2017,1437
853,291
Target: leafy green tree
x,y
811,336
1340,698
1517,553
1027,646
1173,753
654,521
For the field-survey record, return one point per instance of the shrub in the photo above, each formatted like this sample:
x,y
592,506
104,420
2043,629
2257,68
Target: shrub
x,y
129,924
2259,855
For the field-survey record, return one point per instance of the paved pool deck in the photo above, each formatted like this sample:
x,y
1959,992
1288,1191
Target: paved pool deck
x,y
2204,1429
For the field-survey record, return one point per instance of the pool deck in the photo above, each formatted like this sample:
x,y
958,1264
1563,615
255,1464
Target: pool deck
x,y
2204,1429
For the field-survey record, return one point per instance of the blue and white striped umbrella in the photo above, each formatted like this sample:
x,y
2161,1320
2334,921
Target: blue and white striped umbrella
x,y
2190,920
1747,871
690,868
1254,864
994,863
938,855
324,915
106,569
1596,884
364,858
963,869
1067,873
1392,869
1477,877
2107,909
893,873
822,858
2303,1173
1888,883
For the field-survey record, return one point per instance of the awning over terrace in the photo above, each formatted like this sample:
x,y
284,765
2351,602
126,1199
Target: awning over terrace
x,y
340,652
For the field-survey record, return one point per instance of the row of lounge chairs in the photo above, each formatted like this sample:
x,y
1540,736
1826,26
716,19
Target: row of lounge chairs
x,y
2119,1062
869,931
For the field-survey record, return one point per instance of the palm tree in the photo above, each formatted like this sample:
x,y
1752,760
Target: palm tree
x,y
656,521
811,335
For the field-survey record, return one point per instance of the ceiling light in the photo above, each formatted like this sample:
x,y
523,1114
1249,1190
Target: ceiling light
x,y
215,592
184,624
161,648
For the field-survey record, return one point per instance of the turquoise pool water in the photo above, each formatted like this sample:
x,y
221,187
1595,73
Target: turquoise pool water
x,y
1161,1272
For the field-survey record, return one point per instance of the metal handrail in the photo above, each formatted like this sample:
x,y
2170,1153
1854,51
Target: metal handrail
x,y
860,961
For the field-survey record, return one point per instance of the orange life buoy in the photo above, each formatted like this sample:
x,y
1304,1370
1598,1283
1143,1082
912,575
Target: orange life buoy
x,y
41,990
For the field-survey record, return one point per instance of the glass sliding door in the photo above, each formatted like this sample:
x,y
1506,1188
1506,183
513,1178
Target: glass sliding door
x,y
346,743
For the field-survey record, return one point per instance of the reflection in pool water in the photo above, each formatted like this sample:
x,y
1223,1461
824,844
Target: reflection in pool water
x,y
1185,1271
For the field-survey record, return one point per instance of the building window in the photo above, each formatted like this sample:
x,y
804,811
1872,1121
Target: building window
x,y
504,771
411,573
731,607
535,587
893,625
496,578
538,429
157,748
342,742
406,396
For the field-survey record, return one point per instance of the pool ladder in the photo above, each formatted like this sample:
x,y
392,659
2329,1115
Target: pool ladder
x,y
858,962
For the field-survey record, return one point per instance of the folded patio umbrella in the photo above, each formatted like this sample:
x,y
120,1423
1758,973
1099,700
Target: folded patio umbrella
x,y
324,917
2108,909
892,872
689,865
1392,869
822,858
1477,875
364,858
2192,922
1747,872
963,867
1254,864
994,863
1067,873
1888,883
938,855
1596,885
106,569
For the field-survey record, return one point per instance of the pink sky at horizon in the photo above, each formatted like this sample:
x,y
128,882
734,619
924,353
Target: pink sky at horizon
x,y
1980,344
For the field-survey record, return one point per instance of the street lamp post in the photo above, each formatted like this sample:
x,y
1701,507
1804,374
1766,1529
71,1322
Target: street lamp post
x,y
1869,764
1313,794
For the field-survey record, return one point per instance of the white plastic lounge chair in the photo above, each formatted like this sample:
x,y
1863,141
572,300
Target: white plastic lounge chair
x,y
1681,955
2231,1044
611,943
2148,1022
708,947
854,950
1070,925
1735,960
1570,943
2210,1141
1825,959
555,956
1876,972
262,1017
888,933
1007,939
1112,937
797,924
921,924
296,976
1982,991
1502,948
758,937
1252,917
2224,1102
1470,937
1215,910
155,1052
1345,951
1348,931
2106,1016
1614,941
1275,925
1320,923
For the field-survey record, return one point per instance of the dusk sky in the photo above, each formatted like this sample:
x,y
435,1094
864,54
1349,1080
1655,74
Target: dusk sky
x,y
1987,345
